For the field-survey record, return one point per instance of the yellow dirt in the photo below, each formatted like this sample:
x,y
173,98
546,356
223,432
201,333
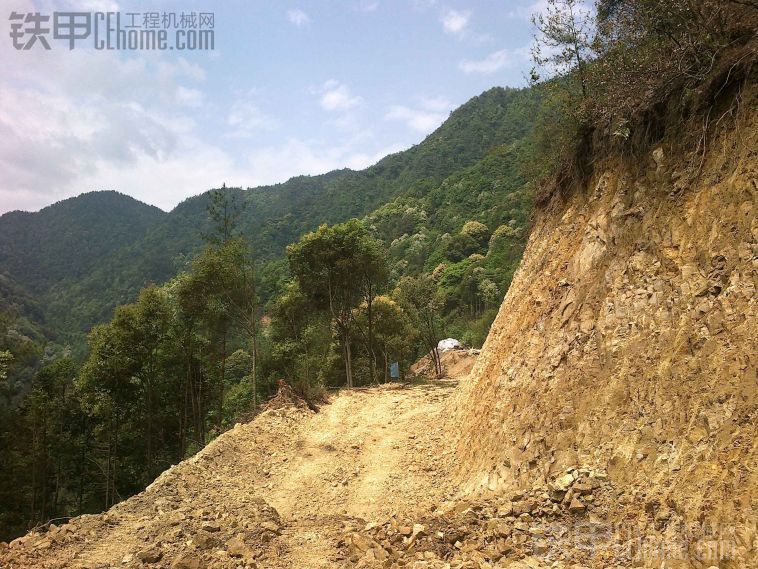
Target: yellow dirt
x,y
366,455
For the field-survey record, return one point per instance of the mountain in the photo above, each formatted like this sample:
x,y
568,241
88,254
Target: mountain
x,y
83,256
609,421
66,240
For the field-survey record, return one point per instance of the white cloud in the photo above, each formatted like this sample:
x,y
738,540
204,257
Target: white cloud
x,y
421,5
298,18
493,62
424,117
336,96
246,118
526,12
188,97
455,22
367,6
299,157
147,125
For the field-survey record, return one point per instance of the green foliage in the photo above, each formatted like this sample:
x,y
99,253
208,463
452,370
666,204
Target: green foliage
x,y
85,256
187,359
336,267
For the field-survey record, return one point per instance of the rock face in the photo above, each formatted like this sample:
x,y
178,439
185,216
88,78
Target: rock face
x,y
627,344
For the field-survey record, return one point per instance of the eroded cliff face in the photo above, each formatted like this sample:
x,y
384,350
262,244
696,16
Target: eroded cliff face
x,y
627,342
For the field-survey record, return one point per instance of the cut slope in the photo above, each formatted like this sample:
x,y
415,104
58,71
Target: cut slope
x,y
626,344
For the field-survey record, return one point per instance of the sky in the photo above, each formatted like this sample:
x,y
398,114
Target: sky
x,y
290,88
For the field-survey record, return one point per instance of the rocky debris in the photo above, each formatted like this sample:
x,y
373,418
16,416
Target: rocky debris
x,y
187,561
151,555
536,525
189,518
215,510
287,398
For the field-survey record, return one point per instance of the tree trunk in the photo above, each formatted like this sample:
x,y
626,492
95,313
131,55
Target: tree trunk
x,y
221,381
386,365
254,340
348,360
371,354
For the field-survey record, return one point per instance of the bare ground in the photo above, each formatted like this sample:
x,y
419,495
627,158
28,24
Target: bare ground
x,y
286,486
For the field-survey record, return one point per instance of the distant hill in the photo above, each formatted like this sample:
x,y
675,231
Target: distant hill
x,y
83,256
67,239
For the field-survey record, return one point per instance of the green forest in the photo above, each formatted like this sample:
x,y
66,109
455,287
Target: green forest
x,y
130,337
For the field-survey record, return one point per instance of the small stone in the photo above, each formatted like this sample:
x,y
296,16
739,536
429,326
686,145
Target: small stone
x,y
271,526
404,530
204,540
236,547
576,506
564,482
187,561
151,555
211,527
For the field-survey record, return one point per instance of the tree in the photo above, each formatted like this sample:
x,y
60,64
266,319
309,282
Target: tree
x,y
301,341
5,359
419,297
128,386
224,210
335,268
564,40
393,333
373,272
238,280
477,231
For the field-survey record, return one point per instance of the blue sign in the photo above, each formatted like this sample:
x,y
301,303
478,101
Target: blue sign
x,y
394,370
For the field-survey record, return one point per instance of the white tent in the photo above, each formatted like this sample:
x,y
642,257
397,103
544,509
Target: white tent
x,y
449,344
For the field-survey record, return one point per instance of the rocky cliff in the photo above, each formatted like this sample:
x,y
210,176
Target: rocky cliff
x,y
627,346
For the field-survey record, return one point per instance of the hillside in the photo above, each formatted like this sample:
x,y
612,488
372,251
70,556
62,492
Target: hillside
x,y
609,422
626,346
86,255
68,239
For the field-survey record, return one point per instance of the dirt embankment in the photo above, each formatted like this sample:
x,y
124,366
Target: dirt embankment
x,y
627,345
278,492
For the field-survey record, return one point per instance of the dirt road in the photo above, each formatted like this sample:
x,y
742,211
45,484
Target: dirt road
x,y
366,455
278,492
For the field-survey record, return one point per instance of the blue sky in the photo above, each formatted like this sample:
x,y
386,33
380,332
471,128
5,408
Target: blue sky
x,y
290,88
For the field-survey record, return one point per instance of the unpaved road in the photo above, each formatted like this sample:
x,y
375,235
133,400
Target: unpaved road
x,y
367,454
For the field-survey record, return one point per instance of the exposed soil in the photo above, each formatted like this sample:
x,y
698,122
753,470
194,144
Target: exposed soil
x,y
278,492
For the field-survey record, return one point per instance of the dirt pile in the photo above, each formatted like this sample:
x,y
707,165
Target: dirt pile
x,y
456,363
626,344
205,512
512,530
275,493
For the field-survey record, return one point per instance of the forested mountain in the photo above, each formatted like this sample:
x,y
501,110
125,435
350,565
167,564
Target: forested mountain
x,y
66,240
84,256
424,243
